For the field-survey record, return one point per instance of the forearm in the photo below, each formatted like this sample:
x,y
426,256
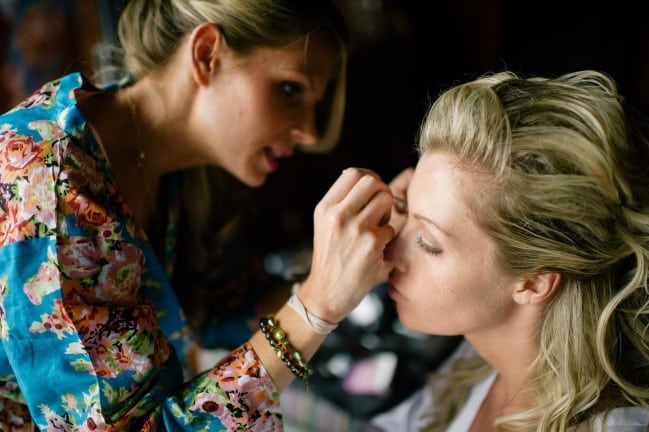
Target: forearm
x,y
300,335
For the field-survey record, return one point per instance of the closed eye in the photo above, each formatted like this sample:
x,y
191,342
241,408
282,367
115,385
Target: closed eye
x,y
427,247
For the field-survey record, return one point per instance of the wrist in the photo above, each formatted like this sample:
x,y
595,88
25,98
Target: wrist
x,y
317,324
301,337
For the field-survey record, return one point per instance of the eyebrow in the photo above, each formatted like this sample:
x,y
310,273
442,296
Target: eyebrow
x,y
433,223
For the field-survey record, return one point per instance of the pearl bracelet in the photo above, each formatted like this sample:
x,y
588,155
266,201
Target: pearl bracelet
x,y
278,340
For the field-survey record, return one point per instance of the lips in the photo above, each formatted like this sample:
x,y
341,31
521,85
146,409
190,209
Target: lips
x,y
273,156
395,294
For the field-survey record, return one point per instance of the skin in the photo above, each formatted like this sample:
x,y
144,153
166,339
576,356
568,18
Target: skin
x,y
440,249
209,106
258,108
446,281
243,113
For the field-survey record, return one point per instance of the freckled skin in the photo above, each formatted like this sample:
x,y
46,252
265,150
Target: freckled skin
x,y
457,290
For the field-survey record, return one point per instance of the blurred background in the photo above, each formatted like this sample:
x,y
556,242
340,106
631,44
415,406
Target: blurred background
x,y
405,52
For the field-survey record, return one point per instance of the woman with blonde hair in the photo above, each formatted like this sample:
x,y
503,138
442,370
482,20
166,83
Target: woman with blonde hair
x,y
527,232
92,335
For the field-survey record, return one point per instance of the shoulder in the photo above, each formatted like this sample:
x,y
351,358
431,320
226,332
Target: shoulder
x,y
55,93
627,419
629,416
49,113
415,412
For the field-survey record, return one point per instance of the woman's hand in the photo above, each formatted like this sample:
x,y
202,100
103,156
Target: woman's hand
x,y
399,187
351,231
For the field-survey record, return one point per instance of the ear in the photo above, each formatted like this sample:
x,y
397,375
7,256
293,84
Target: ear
x,y
537,287
206,46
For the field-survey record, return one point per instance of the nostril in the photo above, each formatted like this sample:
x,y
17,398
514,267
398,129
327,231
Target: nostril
x,y
305,136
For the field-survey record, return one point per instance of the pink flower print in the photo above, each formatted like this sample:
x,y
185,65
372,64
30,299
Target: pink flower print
x,y
114,346
47,128
83,174
57,322
37,196
12,227
79,258
7,133
212,403
17,156
217,406
241,383
54,421
119,279
128,359
117,267
46,281
258,393
103,355
241,372
88,212
104,370
240,362
44,97
94,422
69,401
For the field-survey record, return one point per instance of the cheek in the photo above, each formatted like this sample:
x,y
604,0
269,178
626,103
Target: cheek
x,y
449,299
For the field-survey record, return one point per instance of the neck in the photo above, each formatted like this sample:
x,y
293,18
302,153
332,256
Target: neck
x,y
115,121
511,348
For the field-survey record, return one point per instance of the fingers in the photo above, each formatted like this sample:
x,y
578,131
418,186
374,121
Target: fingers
x,y
350,235
378,210
399,187
352,178
383,274
399,184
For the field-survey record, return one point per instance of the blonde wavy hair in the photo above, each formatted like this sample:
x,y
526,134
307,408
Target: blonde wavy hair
x,y
568,166
149,32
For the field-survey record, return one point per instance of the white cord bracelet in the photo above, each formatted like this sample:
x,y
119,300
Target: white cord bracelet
x,y
316,323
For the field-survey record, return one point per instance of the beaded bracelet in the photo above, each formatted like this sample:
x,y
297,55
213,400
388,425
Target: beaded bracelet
x,y
278,340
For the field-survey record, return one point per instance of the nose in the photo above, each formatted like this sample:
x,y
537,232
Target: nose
x,y
305,133
394,252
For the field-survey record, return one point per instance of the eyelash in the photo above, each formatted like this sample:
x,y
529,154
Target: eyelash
x,y
426,247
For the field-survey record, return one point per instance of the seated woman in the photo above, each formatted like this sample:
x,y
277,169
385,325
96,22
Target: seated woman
x,y
527,231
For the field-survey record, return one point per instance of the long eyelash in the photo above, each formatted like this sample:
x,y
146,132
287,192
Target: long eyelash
x,y
426,247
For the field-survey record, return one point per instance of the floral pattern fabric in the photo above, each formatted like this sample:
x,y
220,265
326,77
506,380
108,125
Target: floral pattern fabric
x,y
92,336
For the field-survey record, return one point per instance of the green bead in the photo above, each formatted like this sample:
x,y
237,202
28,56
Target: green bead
x,y
278,334
297,356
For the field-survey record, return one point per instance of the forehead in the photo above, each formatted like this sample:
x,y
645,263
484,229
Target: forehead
x,y
441,190
438,175
314,53
450,196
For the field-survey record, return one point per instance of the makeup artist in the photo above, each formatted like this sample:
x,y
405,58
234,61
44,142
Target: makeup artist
x,y
94,183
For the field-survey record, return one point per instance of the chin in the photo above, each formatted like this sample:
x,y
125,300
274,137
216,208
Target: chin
x,y
425,326
406,322
253,181
256,184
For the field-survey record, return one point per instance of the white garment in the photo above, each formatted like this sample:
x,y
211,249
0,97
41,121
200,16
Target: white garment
x,y
410,415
